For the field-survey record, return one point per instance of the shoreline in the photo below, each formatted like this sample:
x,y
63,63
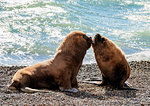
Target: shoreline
x,y
139,56
89,94
83,64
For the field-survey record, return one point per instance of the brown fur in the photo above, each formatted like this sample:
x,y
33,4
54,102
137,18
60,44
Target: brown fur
x,y
59,72
111,61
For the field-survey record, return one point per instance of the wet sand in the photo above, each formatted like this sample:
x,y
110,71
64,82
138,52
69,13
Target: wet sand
x,y
89,94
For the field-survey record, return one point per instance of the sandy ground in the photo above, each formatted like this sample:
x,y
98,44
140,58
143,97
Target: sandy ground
x,y
89,94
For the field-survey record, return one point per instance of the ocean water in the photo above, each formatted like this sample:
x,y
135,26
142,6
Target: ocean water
x,y
32,30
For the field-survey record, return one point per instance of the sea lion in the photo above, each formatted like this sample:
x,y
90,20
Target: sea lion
x,y
58,73
111,61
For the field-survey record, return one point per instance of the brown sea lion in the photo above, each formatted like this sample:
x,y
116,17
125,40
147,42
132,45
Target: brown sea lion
x,y
58,73
111,61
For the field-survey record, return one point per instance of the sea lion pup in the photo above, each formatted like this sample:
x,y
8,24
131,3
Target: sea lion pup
x,y
59,72
111,61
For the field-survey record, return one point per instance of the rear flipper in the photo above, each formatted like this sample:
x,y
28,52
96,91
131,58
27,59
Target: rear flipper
x,y
126,88
103,82
72,90
94,80
30,90
127,85
97,81
17,86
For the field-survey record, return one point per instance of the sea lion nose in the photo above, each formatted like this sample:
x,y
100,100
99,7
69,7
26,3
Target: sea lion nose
x,y
90,40
97,35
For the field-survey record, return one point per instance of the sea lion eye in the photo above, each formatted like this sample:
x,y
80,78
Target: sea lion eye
x,y
85,37
102,40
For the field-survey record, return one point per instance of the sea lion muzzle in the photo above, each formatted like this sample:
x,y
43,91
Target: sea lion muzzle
x,y
88,39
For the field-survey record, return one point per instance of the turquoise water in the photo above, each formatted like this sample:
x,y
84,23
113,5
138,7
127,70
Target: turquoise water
x,y
32,30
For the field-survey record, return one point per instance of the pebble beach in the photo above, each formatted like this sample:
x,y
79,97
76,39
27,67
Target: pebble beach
x,y
88,95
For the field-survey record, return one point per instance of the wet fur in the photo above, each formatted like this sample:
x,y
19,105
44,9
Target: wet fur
x,y
59,72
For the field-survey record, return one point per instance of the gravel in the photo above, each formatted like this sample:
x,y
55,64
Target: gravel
x,y
88,95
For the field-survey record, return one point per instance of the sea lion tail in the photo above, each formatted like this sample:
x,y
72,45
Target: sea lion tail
x,y
31,90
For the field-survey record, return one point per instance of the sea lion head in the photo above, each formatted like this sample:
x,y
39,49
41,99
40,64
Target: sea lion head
x,y
99,41
79,40
88,40
75,41
82,39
